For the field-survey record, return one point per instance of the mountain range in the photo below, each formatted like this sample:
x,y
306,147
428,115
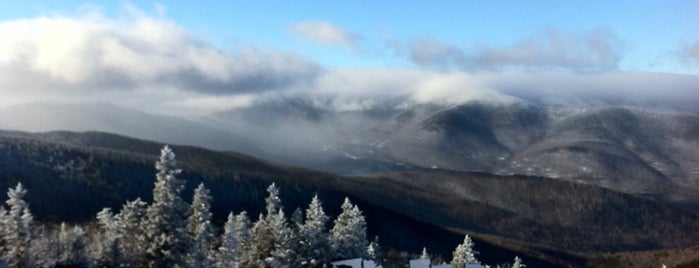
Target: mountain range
x,y
552,222
642,151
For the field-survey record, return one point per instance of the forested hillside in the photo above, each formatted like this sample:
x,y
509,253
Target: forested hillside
x,y
107,177
170,232
552,220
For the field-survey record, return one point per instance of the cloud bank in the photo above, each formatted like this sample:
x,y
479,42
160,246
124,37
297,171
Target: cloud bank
x,y
594,51
153,64
360,89
93,53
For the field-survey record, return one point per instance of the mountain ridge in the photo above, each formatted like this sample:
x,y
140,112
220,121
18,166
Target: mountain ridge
x,y
412,195
630,149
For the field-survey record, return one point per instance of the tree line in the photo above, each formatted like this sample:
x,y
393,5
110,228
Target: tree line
x,y
169,232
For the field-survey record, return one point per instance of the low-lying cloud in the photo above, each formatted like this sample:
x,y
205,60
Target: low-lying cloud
x,y
141,52
369,89
594,51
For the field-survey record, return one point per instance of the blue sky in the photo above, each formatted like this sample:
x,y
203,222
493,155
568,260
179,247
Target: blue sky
x,y
650,33
199,57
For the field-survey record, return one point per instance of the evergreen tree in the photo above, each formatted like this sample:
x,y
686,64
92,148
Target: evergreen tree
x,y
166,218
424,254
109,245
464,254
272,202
200,229
243,237
45,247
77,256
226,255
313,236
17,226
268,231
518,263
284,253
132,234
261,245
348,236
72,247
64,244
294,243
374,251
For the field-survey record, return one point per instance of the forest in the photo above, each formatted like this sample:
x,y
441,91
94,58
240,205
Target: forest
x,y
170,232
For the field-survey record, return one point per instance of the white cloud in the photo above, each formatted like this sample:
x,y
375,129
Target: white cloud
x,y
594,51
352,89
156,65
358,89
325,33
95,53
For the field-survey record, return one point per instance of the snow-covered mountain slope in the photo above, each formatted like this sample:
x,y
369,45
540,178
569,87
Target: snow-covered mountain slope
x,y
643,151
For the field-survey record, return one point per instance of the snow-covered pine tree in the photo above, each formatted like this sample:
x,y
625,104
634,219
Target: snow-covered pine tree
x,y
108,252
226,253
132,233
71,247
374,251
518,263
167,242
17,226
267,231
371,253
261,244
200,229
295,243
243,236
464,254
77,256
284,253
45,247
348,235
64,242
424,254
313,236
272,202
